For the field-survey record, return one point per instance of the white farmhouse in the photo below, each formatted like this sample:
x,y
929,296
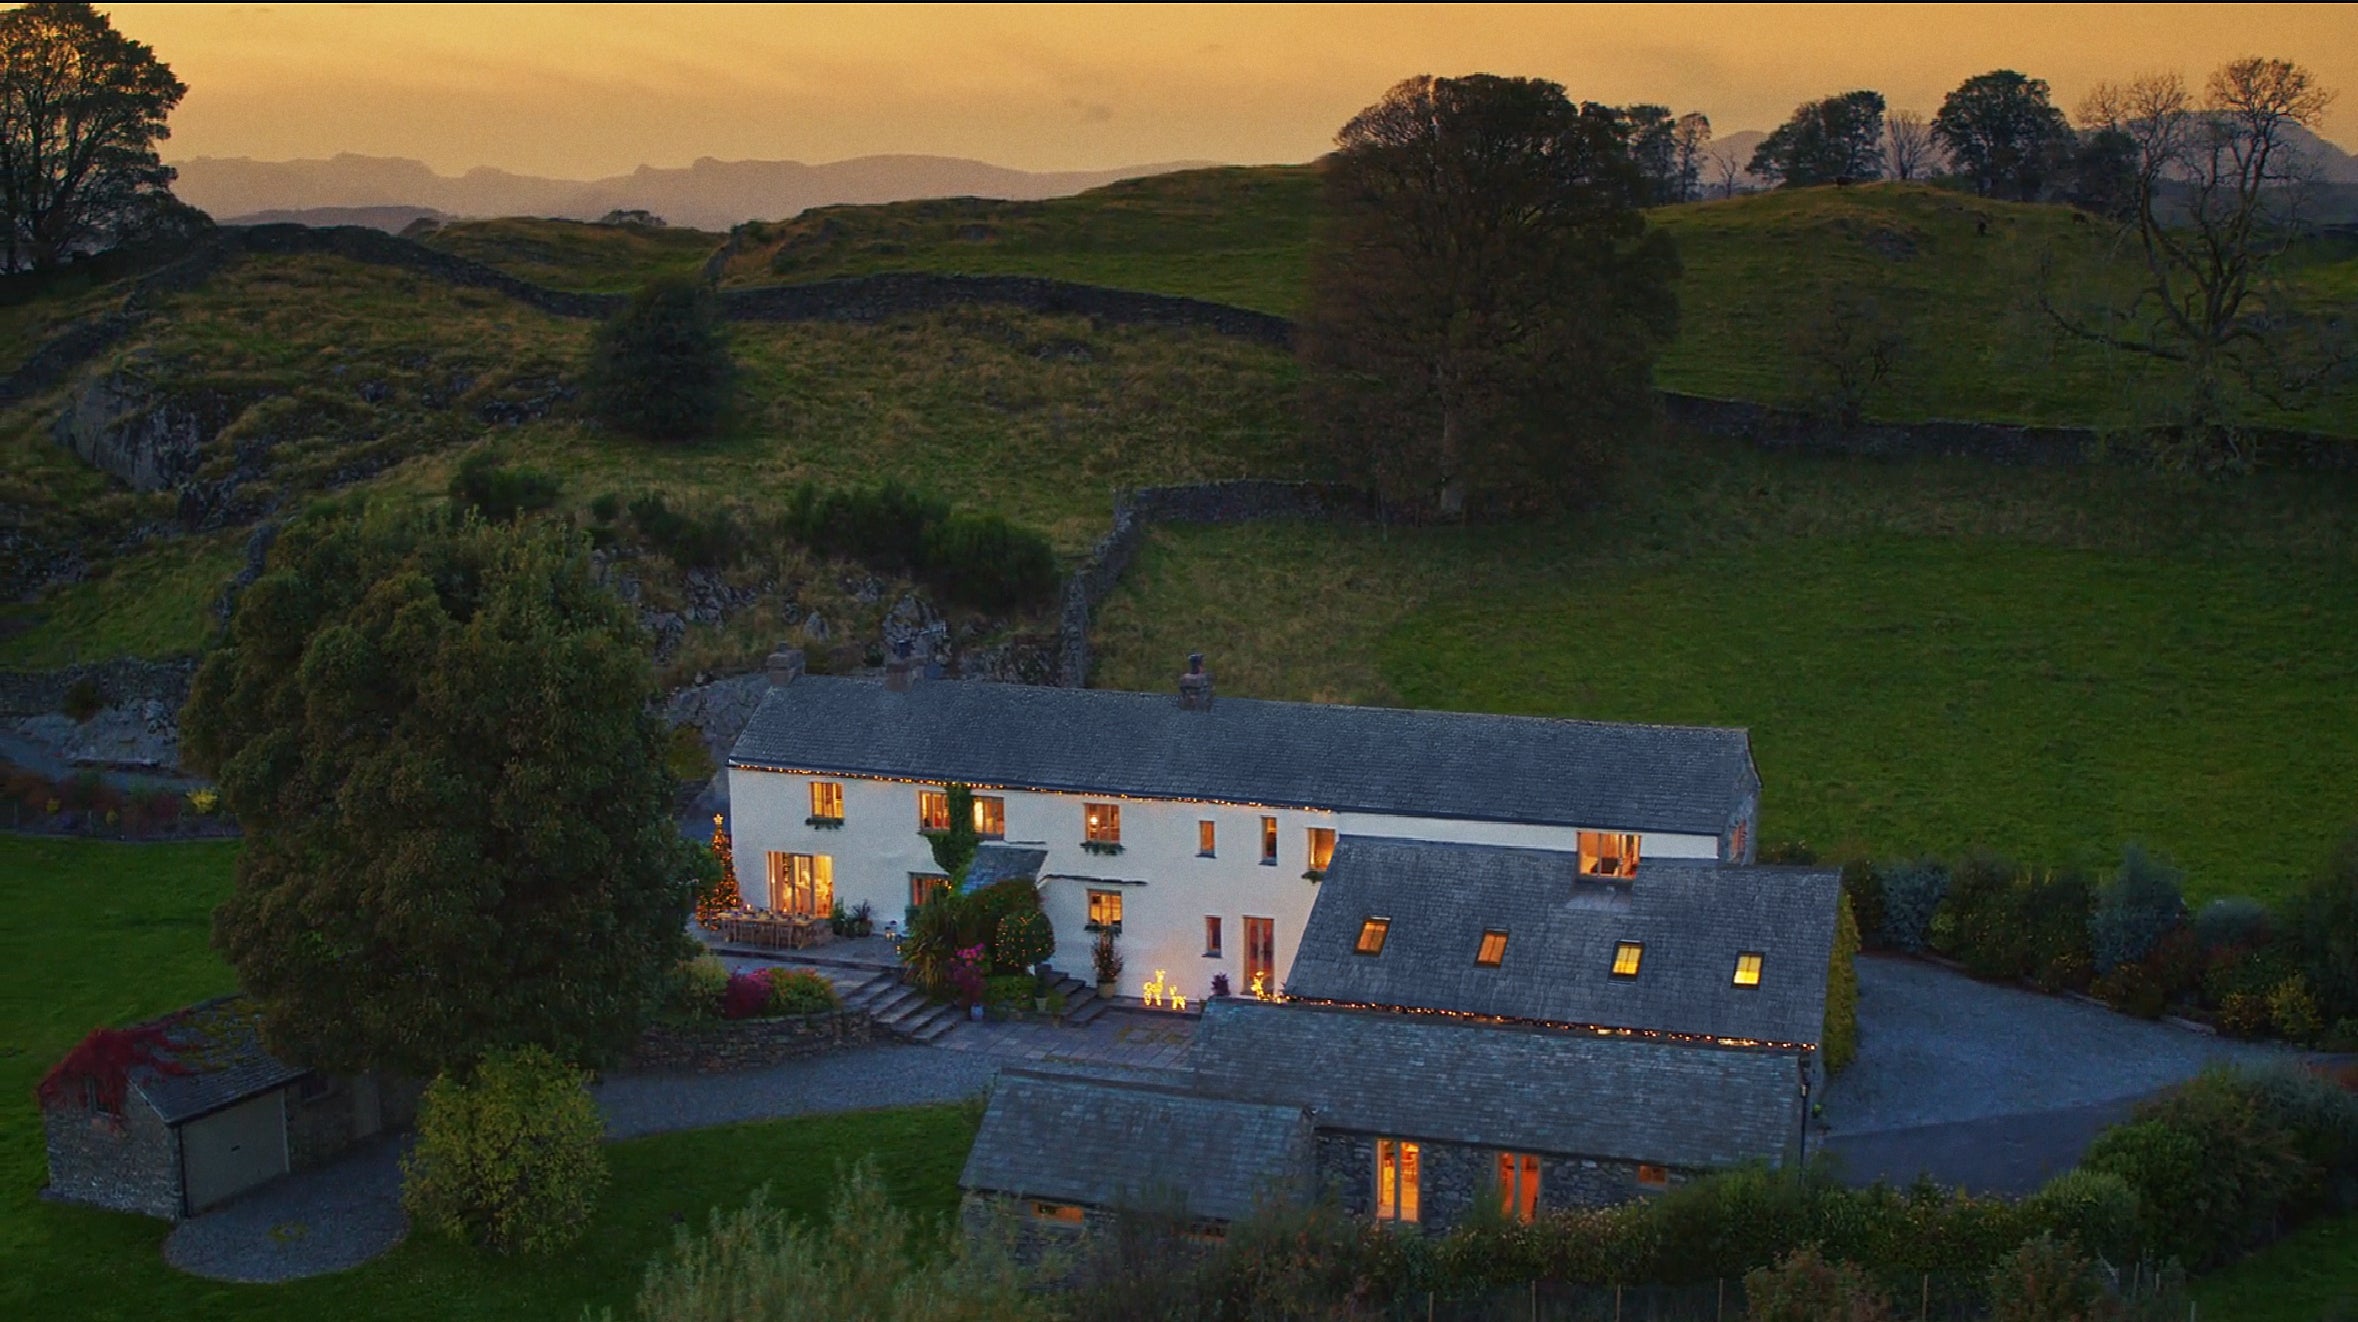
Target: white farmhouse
x,y
1201,827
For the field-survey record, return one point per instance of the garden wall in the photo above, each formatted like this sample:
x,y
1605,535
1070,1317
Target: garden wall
x,y
719,1045
120,682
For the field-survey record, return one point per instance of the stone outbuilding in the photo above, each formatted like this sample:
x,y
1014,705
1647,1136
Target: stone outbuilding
x,y
181,1114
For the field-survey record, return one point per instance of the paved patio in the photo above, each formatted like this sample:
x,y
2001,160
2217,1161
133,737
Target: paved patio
x,y
1121,1038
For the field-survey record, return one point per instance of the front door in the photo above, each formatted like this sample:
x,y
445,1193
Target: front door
x,y
1260,966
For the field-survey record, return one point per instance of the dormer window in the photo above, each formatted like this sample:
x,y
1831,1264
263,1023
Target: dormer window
x,y
1608,854
1492,951
1371,936
1626,957
1748,969
1322,848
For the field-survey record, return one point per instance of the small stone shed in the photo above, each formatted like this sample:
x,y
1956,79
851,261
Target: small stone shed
x,y
181,1114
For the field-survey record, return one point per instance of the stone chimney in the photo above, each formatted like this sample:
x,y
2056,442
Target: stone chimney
x,y
784,666
901,670
1195,686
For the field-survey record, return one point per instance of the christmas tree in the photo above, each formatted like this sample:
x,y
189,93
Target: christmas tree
x,y
723,895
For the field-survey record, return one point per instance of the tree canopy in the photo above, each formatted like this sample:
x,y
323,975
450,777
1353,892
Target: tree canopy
x,y
1836,140
2001,131
1486,300
660,369
82,108
436,734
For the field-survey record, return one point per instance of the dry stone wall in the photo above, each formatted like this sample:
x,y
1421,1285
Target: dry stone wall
x,y
720,1045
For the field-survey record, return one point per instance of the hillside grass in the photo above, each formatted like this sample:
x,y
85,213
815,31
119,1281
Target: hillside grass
x,y
98,933
572,254
1965,302
1931,657
155,603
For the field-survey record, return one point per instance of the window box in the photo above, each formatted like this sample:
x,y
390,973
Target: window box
x,y
1114,927
1315,874
823,823
1102,846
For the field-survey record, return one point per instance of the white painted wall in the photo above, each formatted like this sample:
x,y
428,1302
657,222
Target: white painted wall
x,y
1173,889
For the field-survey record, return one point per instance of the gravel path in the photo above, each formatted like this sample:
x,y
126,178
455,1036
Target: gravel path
x,y
1938,1048
872,1076
326,1220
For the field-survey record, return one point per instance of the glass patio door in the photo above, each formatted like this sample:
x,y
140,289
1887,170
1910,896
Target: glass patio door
x,y
1260,961
802,884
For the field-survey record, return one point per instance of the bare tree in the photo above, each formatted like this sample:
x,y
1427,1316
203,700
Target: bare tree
x,y
1690,140
1844,346
1728,171
1908,147
2218,195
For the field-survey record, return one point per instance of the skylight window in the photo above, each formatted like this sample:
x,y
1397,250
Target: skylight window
x,y
1371,936
1626,957
1493,950
1748,969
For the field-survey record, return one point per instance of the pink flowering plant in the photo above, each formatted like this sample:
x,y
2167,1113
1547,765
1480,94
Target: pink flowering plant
x,y
966,974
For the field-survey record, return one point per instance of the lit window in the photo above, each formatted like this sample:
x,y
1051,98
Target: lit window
x,y
1625,959
1748,969
1371,936
1101,823
827,799
1269,841
1518,1185
802,884
1322,848
1608,854
933,810
1654,1177
1105,908
924,886
1065,1214
1396,1182
1493,950
990,816
1206,836
1211,935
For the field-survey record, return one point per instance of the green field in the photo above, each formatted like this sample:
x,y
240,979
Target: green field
x,y
2312,1276
569,254
96,933
1931,657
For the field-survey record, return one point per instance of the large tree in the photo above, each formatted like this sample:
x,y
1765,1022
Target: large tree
x,y
2216,188
2002,132
82,108
436,734
1836,140
1486,300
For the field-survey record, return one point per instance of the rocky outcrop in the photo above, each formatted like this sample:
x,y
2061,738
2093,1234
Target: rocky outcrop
x,y
150,440
118,682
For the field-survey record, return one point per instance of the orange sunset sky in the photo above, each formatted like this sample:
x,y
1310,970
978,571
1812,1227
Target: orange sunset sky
x,y
585,90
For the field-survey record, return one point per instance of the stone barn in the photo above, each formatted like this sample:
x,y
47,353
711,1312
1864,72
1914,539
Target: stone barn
x,y
181,1114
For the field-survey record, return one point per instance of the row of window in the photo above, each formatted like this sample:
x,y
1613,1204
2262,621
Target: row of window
x,y
1101,823
1399,1193
1628,956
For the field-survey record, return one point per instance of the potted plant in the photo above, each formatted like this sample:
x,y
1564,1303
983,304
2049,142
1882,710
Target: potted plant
x,y
1219,984
1043,982
966,976
1108,960
863,919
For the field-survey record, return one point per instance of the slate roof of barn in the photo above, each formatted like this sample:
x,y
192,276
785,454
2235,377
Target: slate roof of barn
x,y
1397,762
219,1042
1523,1089
1691,919
1105,1143
997,863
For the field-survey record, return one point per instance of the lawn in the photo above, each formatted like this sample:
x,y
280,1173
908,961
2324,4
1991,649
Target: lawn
x,y
1931,657
94,933
2312,1276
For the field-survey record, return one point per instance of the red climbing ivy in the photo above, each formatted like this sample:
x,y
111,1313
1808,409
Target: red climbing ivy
x,y
99,1069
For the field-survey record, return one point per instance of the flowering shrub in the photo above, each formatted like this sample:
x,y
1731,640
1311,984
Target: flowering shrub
x,y
701,984
746,996
966,975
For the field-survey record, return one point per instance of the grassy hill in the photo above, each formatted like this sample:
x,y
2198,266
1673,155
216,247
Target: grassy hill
x,y
572,254
1958,275
1931,656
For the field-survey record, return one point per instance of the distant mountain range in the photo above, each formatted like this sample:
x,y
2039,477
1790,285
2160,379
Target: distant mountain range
x,y
709,194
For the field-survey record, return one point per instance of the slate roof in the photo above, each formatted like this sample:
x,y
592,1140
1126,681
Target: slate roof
x,y
1243,750
1104,1143
220,1043
1523,1089
996,863
1693,920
